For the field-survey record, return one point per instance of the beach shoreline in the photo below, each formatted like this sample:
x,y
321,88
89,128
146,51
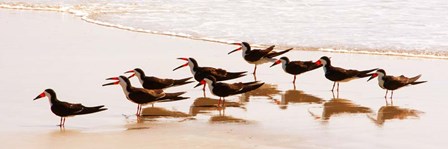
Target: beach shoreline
x,y
56,50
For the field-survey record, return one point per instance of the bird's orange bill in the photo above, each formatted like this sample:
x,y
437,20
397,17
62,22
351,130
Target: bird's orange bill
x,y
318,63
112,83
112,78
373,76
184,65
182,58
200,83
130,71
40,95
276,63
235,50
131,75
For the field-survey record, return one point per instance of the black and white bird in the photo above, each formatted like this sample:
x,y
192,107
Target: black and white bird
x,y
151,82
65,109
296,67
199,73
142,96
223,90
337,74
258,56
394,82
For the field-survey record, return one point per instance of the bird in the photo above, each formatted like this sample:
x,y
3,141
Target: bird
x,y
258,56
296,67
394,82
223,90
151,82
337,74
142,96
200,72
64,109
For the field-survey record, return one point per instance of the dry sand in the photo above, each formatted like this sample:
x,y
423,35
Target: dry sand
x,y
40,50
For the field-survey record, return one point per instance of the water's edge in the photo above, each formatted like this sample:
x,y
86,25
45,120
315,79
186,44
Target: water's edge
x,y
90,18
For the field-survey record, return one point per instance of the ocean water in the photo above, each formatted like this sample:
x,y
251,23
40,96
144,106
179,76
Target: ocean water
x,y
387,27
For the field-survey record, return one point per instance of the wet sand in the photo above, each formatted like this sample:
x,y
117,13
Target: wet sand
x,y
40,50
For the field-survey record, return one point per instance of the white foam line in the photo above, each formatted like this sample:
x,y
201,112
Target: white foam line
x,y
84,15
387,53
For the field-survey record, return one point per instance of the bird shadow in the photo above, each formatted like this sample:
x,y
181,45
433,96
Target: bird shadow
x,y
266,90
391,112
204,105
297,96
338,106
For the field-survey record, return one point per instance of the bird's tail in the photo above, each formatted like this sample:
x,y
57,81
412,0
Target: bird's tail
x,y
366,73
173,97
413,80
274,54
234,75
88,110
182,81
250,87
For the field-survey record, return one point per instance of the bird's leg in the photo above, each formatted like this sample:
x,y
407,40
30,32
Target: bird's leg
x,y
387,103
255,70
334,83
63,122
204,94
294,81
219,101
60,122
151,105
203,88
338,89
391,94
138,110
385,96
223,102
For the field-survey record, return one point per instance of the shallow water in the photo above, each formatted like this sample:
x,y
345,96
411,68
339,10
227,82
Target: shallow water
x,y
74,58
408,28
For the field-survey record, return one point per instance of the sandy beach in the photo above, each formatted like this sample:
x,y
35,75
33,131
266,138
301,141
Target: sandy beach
x,y
41,49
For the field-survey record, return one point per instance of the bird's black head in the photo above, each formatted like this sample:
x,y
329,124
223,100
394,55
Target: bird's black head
x,y
245,44
208,79
381,71
192,60
284,58
48,92
324,60
125,80
140,71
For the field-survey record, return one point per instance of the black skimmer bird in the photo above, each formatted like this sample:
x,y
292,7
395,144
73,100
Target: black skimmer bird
x,y
337,74
223,90
65,109
150,82
200,72
142,96
296,67
393,82
258,56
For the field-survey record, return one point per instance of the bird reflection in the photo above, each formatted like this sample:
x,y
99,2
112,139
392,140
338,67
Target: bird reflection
x,y
156,112
206,105
390,112
338,106
298,96
221,118
267,90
